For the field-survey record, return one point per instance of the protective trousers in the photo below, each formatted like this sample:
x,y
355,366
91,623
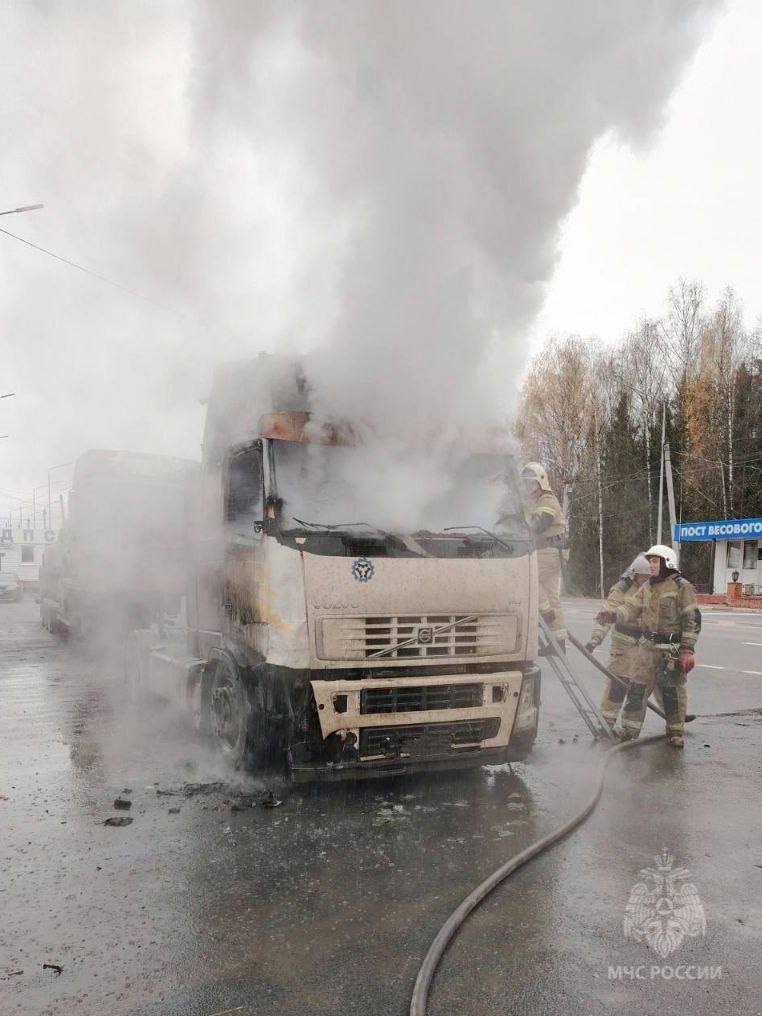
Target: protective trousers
x,y
619,665
671,689
549,580
642,678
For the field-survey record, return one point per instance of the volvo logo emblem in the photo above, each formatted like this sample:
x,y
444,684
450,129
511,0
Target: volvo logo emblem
x,y
363,569
425,636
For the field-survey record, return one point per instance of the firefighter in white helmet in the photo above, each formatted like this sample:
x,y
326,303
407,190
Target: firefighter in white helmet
x,y
549,527
667,611
625,655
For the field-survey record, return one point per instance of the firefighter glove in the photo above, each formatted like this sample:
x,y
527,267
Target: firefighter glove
x,y
591,646
686,661
606,617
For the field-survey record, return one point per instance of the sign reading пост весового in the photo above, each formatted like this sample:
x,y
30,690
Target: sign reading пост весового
x,y
718,529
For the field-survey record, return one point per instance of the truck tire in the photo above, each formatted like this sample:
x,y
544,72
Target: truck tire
x,y
227,702
51,622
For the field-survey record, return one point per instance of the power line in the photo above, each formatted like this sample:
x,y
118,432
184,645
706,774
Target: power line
x,y
89,271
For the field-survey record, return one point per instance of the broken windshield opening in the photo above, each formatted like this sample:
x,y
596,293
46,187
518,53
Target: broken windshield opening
x,y
318,487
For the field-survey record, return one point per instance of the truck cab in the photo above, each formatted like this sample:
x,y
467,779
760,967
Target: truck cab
x,y
321,636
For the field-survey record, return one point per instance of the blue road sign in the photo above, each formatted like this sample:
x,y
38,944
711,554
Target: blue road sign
x,y
717,529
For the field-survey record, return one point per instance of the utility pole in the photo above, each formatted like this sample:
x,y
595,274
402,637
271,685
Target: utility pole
x,y
600,500
566,501
671,499
50,508
724,497
565,507
660,511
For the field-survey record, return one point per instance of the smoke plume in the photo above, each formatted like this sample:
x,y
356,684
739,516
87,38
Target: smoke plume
x,y
381,183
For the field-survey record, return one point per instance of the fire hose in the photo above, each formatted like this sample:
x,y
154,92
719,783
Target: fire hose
x,y
454,922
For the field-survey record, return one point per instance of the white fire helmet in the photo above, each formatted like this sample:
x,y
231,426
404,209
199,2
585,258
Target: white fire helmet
x,y
667,554
639,566
534,471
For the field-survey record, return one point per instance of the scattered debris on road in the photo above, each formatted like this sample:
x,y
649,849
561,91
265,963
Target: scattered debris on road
x,y
243,802
118,820
55,967
174,811
193,789
122,804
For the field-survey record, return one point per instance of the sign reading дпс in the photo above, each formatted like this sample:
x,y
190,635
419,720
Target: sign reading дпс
x,y
718,529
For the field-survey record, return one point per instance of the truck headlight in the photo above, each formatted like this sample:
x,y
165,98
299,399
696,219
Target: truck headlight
x,y
526,701
526,713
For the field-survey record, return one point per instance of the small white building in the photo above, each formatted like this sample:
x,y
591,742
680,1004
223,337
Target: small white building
x,y
738,561
737,551
21,550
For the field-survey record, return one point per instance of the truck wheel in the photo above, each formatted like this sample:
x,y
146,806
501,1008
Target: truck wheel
x,y
229,711
52,623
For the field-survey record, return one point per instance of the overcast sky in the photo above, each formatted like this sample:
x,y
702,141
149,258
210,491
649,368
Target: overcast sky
x,y
690,204
126,120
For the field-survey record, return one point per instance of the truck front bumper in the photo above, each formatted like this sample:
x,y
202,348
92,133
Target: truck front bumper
x,y
394,725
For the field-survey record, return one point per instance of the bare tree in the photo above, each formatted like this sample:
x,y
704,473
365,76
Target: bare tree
x,y
557,405
726,348
682,330
710,399
642,370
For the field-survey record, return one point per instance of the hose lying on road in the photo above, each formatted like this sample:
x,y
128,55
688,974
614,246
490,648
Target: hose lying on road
x,y
453,923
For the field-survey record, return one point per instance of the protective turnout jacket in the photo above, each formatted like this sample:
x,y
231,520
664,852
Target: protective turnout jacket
x,y
547,520
623,635
666,610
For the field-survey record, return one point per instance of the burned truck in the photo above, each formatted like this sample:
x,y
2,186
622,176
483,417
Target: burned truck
x,y
321,637
119,561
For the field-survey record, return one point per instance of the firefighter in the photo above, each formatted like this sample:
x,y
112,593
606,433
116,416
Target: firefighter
x,y
549,527
667,611
625,655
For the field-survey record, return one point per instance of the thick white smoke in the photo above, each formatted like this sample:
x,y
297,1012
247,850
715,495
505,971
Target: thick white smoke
x,y
457,134
381,182
448,141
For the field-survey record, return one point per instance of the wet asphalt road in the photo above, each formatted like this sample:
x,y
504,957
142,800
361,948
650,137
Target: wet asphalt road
x,y
326,904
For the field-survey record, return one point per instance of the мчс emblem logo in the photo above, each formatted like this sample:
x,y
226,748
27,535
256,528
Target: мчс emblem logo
x,y
362,569
664,909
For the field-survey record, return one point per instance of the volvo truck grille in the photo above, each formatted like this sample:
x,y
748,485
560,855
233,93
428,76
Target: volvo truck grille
x,y
416,636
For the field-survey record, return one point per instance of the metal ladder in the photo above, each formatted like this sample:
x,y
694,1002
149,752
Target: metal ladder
x,y
582,702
